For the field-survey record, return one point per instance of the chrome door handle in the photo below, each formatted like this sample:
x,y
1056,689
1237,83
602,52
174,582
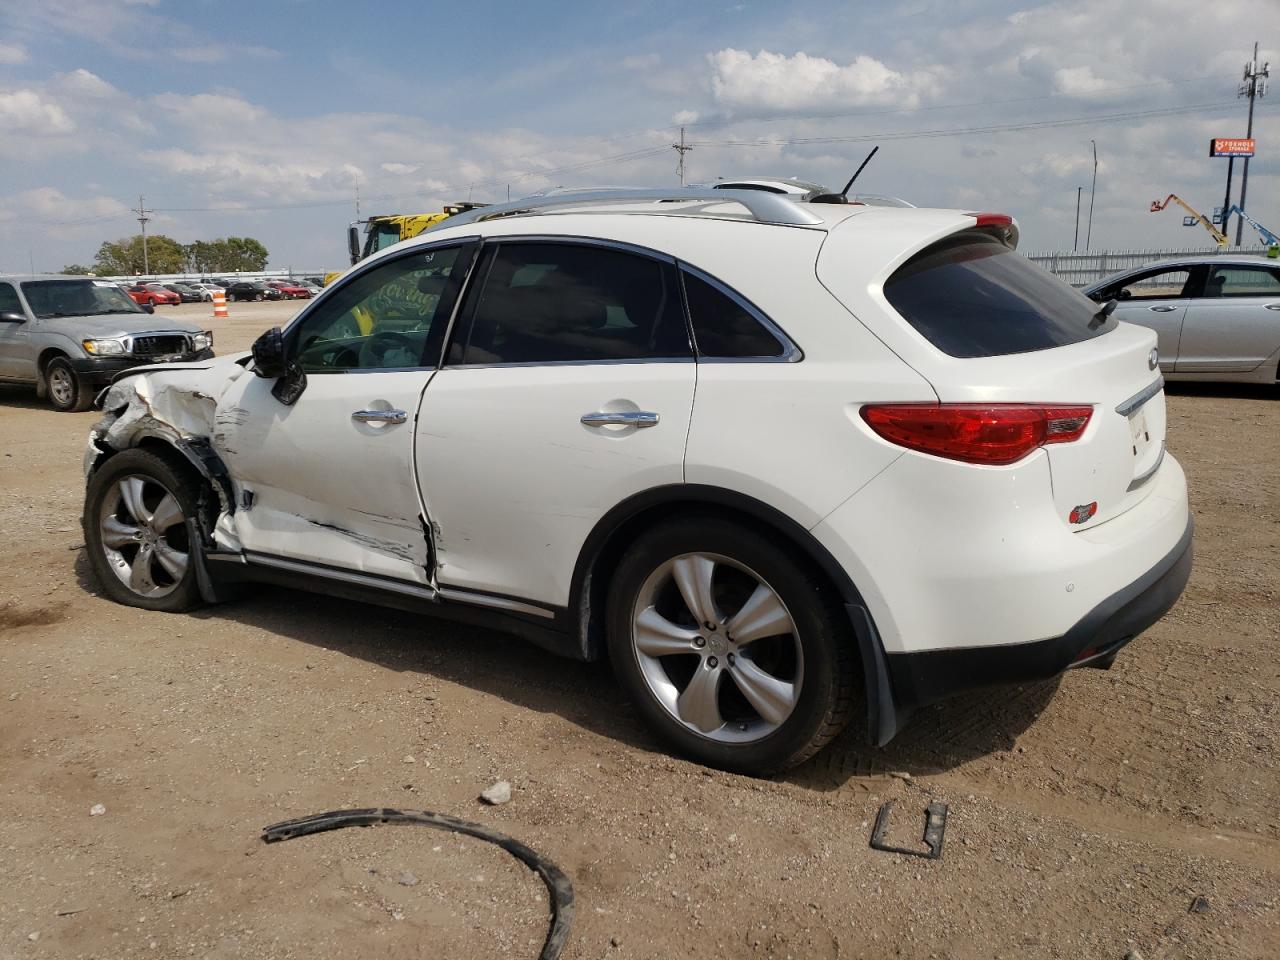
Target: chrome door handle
x,y
1273,306
1164,309
628,418
380,416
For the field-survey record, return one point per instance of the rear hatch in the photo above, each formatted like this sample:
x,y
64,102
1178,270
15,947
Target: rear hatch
x,y
1003,330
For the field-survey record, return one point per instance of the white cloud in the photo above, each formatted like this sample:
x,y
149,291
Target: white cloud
x,y
205,109
774,83
82,83
50,209
400,169
29,112
13,53
685,116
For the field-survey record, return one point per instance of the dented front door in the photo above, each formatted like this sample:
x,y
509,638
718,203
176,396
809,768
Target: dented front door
x,y
330,479
316,483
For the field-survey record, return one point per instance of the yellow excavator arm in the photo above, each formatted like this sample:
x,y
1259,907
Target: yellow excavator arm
x,y
1218,235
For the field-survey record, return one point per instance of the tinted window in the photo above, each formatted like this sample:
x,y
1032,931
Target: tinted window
x,y
76,298
392,316
557,302
1158,285
1242,282
971,296
723,327
9,299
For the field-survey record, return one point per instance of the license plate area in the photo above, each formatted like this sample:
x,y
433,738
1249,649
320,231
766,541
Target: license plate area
x,y
1139,433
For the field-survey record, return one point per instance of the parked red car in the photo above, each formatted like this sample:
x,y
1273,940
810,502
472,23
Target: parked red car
x,y
152,293
290,290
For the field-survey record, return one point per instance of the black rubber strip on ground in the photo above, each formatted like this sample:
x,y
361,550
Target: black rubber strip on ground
x,y
557,883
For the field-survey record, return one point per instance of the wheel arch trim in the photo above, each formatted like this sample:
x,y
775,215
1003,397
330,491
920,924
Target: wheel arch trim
x,y
585,609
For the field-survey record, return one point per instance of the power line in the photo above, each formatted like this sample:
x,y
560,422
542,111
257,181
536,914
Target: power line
x,y
650,152
961,131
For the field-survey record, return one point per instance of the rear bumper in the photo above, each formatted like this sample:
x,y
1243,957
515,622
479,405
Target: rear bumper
x,y
926,676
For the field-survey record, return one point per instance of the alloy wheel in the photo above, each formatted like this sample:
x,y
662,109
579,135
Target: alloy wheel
x,y
717,648
62,387
144,536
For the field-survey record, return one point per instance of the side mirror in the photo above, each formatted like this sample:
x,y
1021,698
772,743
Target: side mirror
x,y
353,243
268,355
149,307
1123,294
11,317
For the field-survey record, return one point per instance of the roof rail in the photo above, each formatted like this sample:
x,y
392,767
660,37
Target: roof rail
x,y
763,207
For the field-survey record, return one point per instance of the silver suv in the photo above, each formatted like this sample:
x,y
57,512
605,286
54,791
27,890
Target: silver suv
x,y
69,336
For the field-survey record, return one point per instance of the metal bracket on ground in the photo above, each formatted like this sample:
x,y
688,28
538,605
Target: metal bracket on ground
x,y
935,824
558,886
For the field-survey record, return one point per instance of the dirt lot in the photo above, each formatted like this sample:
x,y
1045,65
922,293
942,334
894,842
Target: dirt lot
x,y
1086,814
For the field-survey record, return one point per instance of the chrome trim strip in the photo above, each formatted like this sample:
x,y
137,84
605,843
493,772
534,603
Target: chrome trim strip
x,y
565,363
764,207
345,576
1141,397
1138,481
487,600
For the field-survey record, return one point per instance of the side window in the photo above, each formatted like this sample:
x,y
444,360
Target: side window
x,y
724,327
1162,285
564,302
9,299
390,317
1242,282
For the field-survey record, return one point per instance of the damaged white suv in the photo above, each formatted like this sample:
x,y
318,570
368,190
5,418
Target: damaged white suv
x,y
783,463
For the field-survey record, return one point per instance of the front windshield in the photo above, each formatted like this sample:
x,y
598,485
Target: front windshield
x,y
76,298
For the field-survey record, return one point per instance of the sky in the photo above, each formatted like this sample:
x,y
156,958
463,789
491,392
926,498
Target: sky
x,y
263,119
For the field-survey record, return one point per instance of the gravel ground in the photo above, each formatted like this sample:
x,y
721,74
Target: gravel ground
x,y
1086,813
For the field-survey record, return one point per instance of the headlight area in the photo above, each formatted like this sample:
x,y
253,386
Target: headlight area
x,y
201,341
104,348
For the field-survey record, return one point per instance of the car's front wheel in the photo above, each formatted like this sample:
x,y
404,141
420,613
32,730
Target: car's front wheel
x,y
730,647
138,523
64,388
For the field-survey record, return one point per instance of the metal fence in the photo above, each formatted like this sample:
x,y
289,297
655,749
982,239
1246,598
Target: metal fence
x,y
1081,269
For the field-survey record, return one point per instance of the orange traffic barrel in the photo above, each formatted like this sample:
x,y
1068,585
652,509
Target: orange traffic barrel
x,y
220,305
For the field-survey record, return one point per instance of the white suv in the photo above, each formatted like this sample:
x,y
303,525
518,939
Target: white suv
x,y
783,463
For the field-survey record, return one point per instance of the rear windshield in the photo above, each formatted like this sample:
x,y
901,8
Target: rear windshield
x,y
971,296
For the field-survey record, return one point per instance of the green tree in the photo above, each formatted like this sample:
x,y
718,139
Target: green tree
x,y
247,253
124,256
76,269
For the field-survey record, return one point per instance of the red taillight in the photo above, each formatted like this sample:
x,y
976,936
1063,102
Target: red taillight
x,y
993,219
988,433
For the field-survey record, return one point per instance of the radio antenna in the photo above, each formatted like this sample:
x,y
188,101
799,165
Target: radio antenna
x,y
845,192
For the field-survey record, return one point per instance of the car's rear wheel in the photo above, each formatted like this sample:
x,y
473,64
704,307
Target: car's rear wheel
x,y
139,523
730,647
64,388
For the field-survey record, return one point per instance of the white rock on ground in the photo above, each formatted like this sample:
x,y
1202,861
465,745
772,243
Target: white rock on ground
x,y
497,794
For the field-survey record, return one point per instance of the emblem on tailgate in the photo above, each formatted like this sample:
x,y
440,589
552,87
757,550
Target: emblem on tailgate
x,y
1084,512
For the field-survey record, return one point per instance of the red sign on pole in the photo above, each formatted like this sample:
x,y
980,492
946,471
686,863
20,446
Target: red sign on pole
x,y
1231,147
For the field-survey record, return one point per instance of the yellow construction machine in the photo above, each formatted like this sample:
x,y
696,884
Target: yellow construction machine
x,y
1196,216
384,230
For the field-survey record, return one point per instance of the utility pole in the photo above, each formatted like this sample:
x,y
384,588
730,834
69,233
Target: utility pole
x,y
1226,201
1075,244
681,148
1088,235
1254,86
357,199
143,219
